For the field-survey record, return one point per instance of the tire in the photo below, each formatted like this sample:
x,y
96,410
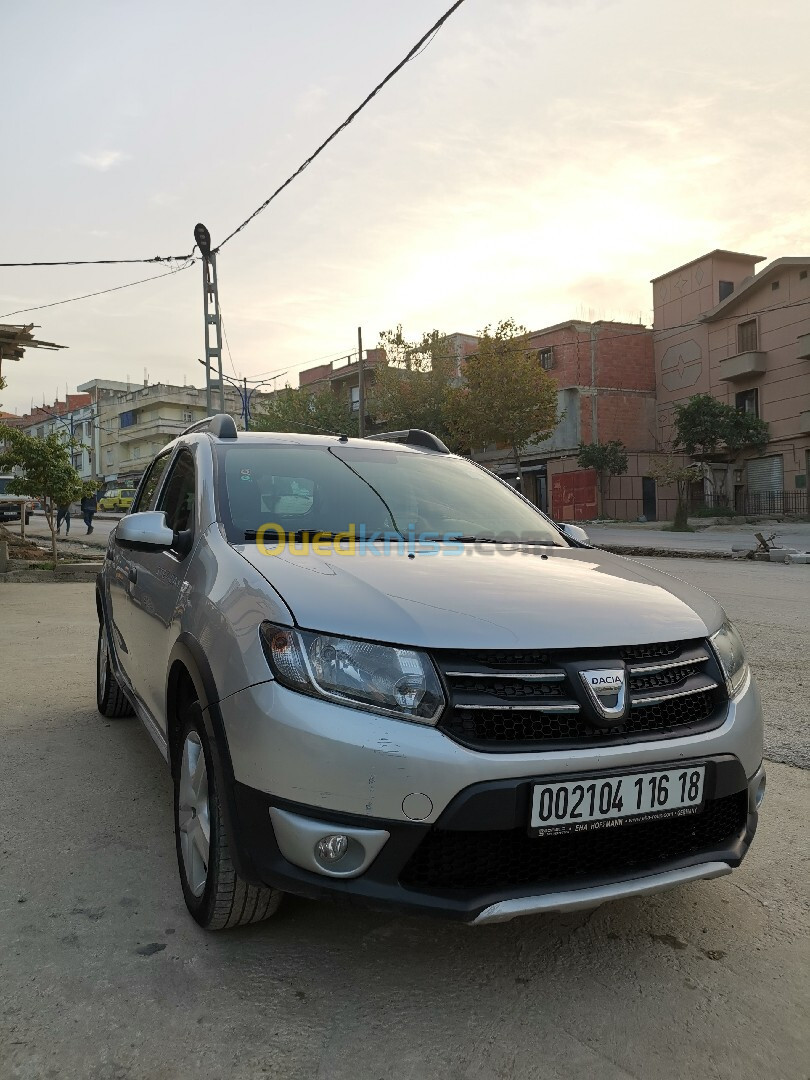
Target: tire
x,y
216,896
110,698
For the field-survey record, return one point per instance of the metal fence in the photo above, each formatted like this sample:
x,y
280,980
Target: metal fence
x,y
752,504
773,502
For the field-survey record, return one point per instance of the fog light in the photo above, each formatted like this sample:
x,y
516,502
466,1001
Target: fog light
x,y
331,848
760,793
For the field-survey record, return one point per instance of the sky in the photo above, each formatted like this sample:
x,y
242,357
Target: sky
x,y
540,160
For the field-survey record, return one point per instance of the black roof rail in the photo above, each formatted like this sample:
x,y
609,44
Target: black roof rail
x,y
413,437
222,426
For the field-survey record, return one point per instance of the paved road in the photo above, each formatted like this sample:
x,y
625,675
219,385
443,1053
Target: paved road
x,y
713,538
103,976
102,527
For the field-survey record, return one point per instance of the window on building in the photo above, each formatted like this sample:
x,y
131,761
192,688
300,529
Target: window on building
x,y
748,402
88,429
774,286
747,336
109,456
136,451
802,275
127,419
546,358
726,289
354,398
188,418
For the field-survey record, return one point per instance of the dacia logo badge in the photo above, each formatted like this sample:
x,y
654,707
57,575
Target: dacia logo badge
x,y
606,689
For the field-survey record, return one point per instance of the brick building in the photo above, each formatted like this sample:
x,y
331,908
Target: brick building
x,y
722,329
606,377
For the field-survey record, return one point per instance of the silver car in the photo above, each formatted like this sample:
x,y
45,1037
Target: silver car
x,y
377,672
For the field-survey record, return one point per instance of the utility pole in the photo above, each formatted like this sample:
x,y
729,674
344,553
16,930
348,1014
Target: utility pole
x,y
211,314
362,386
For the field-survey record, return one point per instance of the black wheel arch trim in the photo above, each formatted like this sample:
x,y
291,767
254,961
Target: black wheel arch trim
x,y
188,652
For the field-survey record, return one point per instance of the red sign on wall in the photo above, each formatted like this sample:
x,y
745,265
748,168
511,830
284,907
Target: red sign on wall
x,y
573,496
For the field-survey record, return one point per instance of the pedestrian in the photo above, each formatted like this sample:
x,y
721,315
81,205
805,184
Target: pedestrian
x,y
63,514
89,505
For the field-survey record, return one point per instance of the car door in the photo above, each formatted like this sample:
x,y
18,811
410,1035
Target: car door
x,y
124,573
155,583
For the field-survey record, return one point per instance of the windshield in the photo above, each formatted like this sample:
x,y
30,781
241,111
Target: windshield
x,y
4,482
307,489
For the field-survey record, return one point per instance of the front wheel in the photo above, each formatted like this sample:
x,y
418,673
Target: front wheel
x,y
215,894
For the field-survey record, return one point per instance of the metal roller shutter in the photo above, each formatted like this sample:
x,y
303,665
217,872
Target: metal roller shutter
x,y
765,474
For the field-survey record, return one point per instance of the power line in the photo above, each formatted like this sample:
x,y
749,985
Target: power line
x,y
411,54
103,262
100,292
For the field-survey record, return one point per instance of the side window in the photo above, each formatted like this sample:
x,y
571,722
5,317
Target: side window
x,y
177,500
149,489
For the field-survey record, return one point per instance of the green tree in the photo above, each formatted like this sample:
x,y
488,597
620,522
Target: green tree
x,y
507,397
670,469
608,459
415,388
46,472
710,430
320,412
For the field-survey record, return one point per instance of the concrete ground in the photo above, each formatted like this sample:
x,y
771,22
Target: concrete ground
x,y
794,534
104,976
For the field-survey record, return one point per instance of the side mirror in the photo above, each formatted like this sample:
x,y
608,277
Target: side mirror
x,y
573,532
146,531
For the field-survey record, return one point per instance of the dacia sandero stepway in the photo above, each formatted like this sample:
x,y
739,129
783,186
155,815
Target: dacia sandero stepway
x,y
377,672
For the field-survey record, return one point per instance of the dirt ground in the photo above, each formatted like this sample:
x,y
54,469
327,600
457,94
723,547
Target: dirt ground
x,y
104,976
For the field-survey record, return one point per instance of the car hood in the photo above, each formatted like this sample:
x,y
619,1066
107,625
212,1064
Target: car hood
x,y
494,598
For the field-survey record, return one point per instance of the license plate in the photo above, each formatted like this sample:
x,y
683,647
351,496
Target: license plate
x,y
608,802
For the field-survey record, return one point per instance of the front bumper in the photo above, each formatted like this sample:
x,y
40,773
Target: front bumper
x,y
314,753
477,863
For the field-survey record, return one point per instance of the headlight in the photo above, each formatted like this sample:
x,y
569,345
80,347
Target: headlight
x,y
381,678
730,652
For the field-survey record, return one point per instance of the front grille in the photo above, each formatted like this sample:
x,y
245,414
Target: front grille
x,y
503,701
500,859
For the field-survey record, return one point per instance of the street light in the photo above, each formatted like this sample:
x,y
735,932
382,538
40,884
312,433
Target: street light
x,y
245,395
202,238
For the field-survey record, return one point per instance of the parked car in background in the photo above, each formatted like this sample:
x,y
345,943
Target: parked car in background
x,y
118,499
11,505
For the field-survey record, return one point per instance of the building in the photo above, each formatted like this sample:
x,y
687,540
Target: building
x,y
134,424
342,377
606,377
743,337
72,418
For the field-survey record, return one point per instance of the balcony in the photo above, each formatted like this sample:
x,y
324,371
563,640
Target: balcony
x,y
804,346
804,422
742,366
168,427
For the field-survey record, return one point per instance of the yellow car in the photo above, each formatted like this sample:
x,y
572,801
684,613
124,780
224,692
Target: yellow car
x,y
119,499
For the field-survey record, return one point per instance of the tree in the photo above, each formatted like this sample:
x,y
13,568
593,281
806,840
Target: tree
x,y
303,409
609,459
507,397
416,386
708,429
46,472
670,470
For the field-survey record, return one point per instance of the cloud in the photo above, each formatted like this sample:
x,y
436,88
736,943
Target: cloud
x,y
102,160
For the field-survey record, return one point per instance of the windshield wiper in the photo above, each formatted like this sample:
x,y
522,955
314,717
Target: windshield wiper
x,y
452,537
251,535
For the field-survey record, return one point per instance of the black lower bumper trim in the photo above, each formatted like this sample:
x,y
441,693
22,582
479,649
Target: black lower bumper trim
x,y
456,872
